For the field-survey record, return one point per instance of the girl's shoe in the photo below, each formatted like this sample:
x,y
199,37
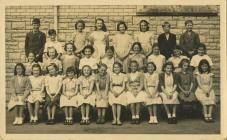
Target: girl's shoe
x,y
169,120
137,121
151,121
70,122
82,122
206,119
35,122
114,122
102,121
119,122
87,122
65,122
98,120
48,122
174,120
133,121
20,121
155,120
15,121
210,119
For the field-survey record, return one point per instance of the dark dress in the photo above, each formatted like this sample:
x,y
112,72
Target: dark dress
x,y
166,46
34,42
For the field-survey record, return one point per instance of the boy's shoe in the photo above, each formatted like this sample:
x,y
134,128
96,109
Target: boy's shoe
x,y
52,121
70,122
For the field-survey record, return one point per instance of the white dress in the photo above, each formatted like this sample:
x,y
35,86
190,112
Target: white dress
x,y
169,87
146,40
158,60
92,62
134,83
117,81
151,82
37,83
205,80
99,38
85,84
70,87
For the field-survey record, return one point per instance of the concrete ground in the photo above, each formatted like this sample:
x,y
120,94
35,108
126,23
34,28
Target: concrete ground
x,y
185,125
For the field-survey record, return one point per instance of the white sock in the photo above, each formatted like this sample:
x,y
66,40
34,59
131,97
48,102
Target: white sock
x,y
137,116
35,118
133,117
169,115
174,115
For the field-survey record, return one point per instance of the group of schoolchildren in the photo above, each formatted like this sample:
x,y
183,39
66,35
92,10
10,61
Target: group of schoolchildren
x,y
89,71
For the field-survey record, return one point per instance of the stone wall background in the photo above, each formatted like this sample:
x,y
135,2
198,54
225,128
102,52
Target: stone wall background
x,y
18,22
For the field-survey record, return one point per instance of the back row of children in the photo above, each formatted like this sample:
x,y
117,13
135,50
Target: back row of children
x,y
117,75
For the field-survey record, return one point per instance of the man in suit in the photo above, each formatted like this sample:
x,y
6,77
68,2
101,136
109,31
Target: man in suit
x,y
166,41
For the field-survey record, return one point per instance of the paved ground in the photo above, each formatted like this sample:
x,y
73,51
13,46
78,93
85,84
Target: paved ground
x,y
185,126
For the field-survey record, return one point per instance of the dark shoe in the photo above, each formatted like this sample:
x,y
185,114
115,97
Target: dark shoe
x,y
66,122
137,121
52,121
87,122
169,120
114,122
48,122
35,122
102,121
82,122
210,119
70,122
206,119
174,120
98,121
119,123
133,121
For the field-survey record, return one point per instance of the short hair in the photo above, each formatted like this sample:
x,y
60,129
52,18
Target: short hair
x,y
31,52
202,45
119,64
109,48
102,65
52,64
184,60
166,23
204,61
146,23
166,64
22,66
36,21
103,24
36,66
70,69
56,53
119,23
133,61
85,67
188,21
52,32
88,47
69,43
80,21
137,43
152,63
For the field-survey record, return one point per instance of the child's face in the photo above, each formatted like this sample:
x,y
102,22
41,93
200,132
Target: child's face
x,y
53,37
87,71
204,67
136,49
109,53
189,26
122,28
143,26
52,70
19,70
116,68
87,52
35,26
176,52
70,74
201,51
150,68
185,66
31,57
69,49
133,67
80,27
36,71
156,50
52,53
168,69
166,28
102,71
99,24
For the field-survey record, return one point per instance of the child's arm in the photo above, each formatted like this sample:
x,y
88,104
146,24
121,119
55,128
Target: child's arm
x,y
211,84
58,91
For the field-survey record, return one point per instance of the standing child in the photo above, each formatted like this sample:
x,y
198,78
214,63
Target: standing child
x,y
102,86
135,93
122,44
168,85
53,43
53,84
69,59
20,86
52,58
145,37
99,38
109,59
156,58
35,41
86,97
79,37
68,99
88,59
204,92
137,56
151,85
198,57
117,96
36,93
176,58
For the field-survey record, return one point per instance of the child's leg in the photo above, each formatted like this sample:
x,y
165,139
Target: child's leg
x,y
21,111
114,112
66,113
53,110
150,110
154,110
99,114
133,112
49,112
103,113
167,110
30,110
87,111
205,111
36,111
118,112
71,113
16,115
174,110
83,107
210,107
137,110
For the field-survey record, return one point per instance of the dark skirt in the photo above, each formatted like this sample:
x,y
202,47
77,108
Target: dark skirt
x,y
55,101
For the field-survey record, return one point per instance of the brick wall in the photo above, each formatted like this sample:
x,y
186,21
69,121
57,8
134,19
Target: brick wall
x,y
18,22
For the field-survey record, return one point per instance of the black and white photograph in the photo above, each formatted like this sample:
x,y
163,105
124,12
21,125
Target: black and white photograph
x,y
114,69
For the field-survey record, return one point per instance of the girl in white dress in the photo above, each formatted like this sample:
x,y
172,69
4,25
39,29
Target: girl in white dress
x,y
151,85
117,95
205,92
157,58
122,43
135,93
68,99
37,94
169,95
102,87
145,37
99,38
86,97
